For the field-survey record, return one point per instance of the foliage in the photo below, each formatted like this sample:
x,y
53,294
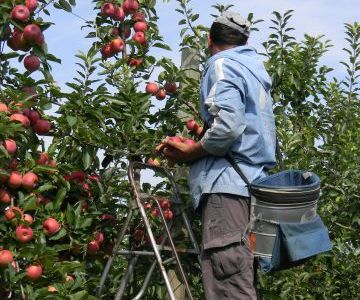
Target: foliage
x,y
106,119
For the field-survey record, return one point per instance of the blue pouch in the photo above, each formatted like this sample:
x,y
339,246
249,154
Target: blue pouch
x,y
296,243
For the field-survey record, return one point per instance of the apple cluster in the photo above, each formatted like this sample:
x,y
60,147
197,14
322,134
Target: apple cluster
x,y
27,117
122,30
26,34
153,212
160,93
193,128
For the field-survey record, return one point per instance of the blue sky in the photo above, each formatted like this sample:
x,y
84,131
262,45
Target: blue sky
x,y
313,17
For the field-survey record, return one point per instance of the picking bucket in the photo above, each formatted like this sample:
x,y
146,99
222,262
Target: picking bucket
x,y
286,197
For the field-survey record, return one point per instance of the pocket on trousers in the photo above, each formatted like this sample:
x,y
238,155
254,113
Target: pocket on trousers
x,y
229,260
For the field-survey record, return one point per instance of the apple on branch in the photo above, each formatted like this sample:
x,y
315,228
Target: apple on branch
x,y
34,272
6,257
51,226
24,233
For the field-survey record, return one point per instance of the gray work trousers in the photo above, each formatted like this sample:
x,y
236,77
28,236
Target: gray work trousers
x,y
227,263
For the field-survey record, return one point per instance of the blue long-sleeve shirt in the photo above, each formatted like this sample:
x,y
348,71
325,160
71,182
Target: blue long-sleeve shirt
x,y
236,105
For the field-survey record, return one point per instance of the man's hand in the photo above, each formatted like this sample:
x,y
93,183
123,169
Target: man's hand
x,y
181,151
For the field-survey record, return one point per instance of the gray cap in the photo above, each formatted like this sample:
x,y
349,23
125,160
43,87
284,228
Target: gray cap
x,y
235,21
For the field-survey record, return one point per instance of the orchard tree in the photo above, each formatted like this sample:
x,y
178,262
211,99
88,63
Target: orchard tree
x,y
64,192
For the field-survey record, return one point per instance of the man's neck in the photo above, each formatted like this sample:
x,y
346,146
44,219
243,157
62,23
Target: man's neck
x,y
216,48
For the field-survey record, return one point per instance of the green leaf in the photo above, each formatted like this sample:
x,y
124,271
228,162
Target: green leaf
x,y
162,46
45,187
58,235
30,204
82,295
65,5
87,159
59,198
71,120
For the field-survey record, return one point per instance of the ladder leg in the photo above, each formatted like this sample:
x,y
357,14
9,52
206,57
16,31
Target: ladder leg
x,y
172,245
191,235
146,281
126,278
119,239
156,250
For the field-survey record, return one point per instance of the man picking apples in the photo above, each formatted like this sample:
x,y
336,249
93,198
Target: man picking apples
x,y
236,107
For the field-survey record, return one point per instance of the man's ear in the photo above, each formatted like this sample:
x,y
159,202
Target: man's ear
x,y
210,42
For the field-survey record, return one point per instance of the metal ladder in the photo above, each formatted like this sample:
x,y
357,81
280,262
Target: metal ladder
x,y
137,203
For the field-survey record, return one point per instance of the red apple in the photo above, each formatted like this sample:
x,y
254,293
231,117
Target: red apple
x,y
117,45
24,233
155,212
18,41
32,33
152,88
28,219
94,177
106,51
138,17
168,215
77,175
10,146
107,217
31,5
24,120
93,247
33,116
140,26
31,63
191,125
147,205
86,186
170,87
138,234
165,204
135,61
43,158
34,272
51,226
99,237
52,163
40,40
15,180
20,13
161,94
3,107
6,257
13,212
119,14
69,278
108,10
42,127
139,37
130,6
30,180
5,196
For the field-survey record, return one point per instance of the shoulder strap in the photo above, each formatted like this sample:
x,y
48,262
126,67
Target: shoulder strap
x,y
231,160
